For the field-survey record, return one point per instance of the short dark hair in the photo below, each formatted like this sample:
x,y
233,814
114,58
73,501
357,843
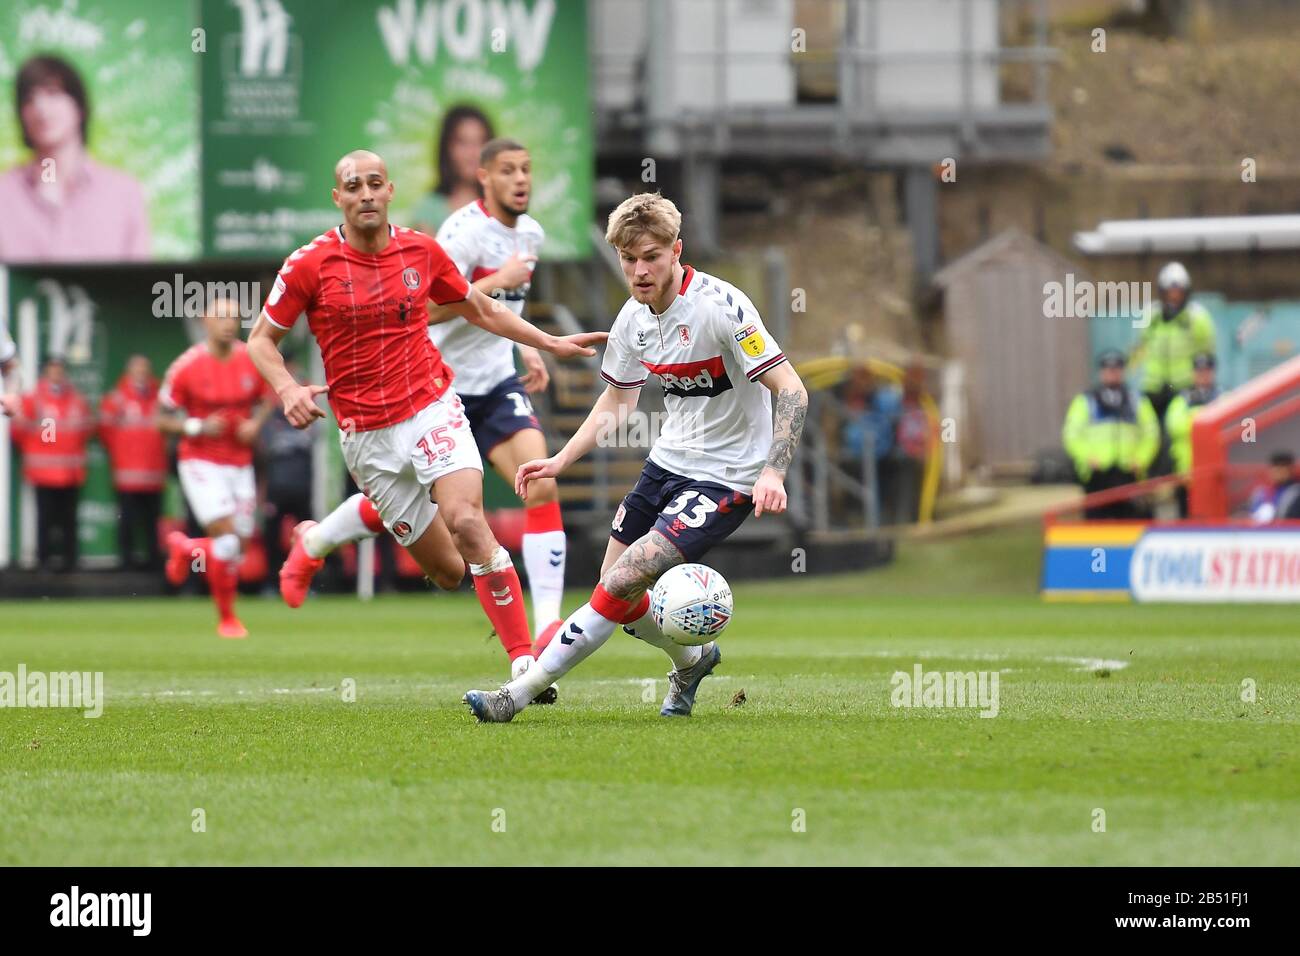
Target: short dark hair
x,y
495,147
1282,459
45,69
453,118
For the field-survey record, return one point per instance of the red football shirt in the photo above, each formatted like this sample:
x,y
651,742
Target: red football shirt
x,y
370,315
204,385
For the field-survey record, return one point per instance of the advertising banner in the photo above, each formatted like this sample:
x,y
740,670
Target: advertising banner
x,y
99,131
1175,563
290,86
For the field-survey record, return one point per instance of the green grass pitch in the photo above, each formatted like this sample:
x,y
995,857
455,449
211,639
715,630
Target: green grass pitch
x,y
1132,710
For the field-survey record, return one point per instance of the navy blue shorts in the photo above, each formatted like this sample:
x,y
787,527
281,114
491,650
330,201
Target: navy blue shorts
x,y
692,514
500,413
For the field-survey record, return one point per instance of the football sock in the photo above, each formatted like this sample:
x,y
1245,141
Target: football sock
x,y
644,628
502,597
584,630
544,550
353,520
223,572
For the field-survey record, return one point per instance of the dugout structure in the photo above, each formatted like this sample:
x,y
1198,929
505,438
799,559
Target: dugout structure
x,y
1234,436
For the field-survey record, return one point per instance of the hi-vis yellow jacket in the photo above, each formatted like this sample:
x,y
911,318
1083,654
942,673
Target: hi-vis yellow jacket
x,y
1097,438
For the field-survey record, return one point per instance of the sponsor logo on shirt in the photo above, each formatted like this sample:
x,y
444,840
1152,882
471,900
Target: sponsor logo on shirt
x,y
702,377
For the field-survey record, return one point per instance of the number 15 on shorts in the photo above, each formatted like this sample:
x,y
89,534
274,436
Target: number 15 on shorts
x,y
441,440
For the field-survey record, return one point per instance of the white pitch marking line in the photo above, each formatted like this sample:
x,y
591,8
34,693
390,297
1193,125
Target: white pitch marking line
x,y
1090,663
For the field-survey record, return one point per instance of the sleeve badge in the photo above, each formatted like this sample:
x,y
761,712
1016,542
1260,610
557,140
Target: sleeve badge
x,y
751,340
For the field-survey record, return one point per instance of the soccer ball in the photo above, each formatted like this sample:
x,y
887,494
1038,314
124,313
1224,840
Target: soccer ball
x,y
691,604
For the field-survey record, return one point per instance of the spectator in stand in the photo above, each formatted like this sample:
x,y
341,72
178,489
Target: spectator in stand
x,y
137,455
871,413
53,424
1279,498
286,473
914,438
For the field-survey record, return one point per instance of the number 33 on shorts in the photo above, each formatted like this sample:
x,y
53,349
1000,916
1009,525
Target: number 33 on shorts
x,y
704,506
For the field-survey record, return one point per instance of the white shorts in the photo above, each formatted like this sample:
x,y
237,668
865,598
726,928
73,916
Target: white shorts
x,y
220,491
397,466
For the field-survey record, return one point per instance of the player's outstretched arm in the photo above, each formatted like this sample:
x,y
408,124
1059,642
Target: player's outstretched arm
x,y
299,401
787,427
496,318
610,410
515,271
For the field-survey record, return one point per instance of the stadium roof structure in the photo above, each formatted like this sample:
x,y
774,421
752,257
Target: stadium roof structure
x,y
1199,235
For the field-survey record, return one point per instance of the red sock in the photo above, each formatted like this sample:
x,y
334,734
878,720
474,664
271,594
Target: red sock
x,y
502,598
223,580
613,608
546,637
542,518
370,516
642,606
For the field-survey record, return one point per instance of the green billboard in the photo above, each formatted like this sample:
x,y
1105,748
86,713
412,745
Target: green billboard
x,y
134,67
291,85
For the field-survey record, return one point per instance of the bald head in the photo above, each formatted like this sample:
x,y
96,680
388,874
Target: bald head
x,y
362,191
358,163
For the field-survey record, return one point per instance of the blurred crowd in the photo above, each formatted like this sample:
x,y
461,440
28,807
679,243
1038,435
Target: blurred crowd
x,y
885,435
54,424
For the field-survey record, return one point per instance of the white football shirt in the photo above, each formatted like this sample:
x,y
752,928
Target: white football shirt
x,y
479,245
708,349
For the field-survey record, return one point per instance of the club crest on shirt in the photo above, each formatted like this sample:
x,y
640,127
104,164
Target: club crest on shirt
x,y
684,334
751,340
411,278
401,529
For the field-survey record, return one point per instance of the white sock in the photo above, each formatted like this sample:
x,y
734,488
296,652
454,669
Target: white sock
x,y
585,630
226,548
544,554
337,528
645,629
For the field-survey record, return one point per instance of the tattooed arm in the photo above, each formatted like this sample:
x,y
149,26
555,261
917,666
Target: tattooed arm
x,y
787,427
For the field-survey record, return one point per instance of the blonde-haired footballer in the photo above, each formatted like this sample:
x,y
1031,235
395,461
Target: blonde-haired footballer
x,y
722,452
